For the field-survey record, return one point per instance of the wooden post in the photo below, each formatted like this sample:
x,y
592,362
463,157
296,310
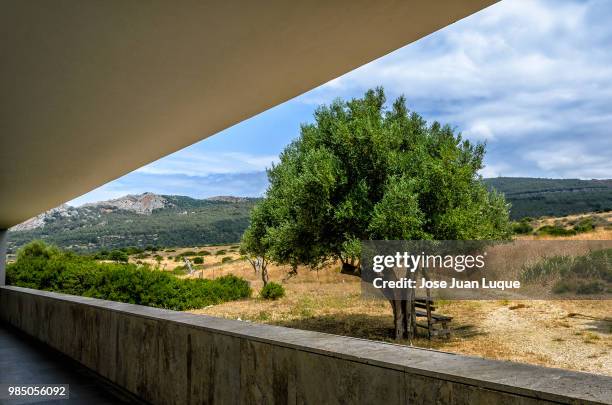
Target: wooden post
x,y
429,320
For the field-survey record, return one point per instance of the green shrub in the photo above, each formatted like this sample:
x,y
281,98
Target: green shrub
x,y
46,268
180,270
226,259
272,291
118,256
555,230
220,252
585,225
189,253
522,227
204,253
198,260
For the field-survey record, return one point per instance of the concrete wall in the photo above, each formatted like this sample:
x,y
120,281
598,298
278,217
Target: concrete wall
x,y
169,357
3,242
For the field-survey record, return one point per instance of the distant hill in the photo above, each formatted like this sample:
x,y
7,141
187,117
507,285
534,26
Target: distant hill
x,y
532,197
170,220
138,220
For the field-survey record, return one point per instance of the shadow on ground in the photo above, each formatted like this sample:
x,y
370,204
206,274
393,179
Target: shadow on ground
x,y
595,324
371,327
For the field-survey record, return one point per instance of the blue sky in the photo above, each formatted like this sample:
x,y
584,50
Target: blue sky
x,y
532,78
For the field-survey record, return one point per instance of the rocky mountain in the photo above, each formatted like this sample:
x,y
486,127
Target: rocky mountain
x,y
141,204
39,221
138,220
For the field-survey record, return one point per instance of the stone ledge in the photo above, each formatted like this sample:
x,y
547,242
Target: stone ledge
x,y
523,380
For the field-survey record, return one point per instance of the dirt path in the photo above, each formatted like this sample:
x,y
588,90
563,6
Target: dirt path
x,y
547,332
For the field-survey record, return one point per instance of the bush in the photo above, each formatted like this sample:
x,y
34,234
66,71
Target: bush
x,y
272,291
226,259
555,230
180,270
118,256
220,252
522,227
198,260
585,225
46,268
204,253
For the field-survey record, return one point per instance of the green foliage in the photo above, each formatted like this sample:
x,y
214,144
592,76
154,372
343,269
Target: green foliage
x,y
226,259
272,291
363,171
585,225
118,256
555,230
198,260
180,270
586,274
553,197
522,228
220,252
255,243
46,268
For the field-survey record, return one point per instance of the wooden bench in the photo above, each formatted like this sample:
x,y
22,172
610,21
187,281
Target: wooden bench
x,y
437,325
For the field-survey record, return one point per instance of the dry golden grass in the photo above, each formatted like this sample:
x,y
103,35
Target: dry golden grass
x,y
567,334
602,231
597,234
574,335
168,262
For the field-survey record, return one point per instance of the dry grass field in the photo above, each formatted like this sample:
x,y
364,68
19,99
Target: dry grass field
x,y
574,335
603,230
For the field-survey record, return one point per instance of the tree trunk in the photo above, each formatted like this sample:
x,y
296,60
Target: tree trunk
x,y
401,319
404,316
291,273
264,275
253,264
348,268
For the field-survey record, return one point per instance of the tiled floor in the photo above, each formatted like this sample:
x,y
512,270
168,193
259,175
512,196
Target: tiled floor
x,y
24,361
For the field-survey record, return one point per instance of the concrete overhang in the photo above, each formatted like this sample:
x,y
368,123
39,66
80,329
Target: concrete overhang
x,y
91,90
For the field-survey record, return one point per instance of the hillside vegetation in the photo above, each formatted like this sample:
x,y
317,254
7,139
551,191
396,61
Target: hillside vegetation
x,y
532,197
180,221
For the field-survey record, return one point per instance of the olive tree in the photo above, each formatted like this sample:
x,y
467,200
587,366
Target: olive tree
x,y
364,171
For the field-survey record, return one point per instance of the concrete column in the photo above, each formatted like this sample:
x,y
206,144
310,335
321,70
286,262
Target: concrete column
x,y
3,239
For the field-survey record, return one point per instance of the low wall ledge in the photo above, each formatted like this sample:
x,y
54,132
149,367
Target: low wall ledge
x,y
520,379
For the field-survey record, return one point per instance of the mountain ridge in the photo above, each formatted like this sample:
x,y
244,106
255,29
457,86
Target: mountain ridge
x,y
175,220
138,220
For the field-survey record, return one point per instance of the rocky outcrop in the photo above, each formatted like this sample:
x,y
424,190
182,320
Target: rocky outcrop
x,y
39,221
141,204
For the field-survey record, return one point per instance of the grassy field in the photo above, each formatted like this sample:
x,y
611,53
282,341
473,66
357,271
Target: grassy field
x,y
574,335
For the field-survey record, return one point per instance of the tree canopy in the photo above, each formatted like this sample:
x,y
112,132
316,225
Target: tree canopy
x,y
363,170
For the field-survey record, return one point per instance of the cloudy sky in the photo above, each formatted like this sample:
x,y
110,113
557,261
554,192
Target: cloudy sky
x,y
532,78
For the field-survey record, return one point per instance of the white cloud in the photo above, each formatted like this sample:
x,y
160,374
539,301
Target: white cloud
x,y
523,75
571,159
200,163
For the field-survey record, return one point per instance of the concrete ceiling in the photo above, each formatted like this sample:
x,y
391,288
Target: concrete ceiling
x,y
91,90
